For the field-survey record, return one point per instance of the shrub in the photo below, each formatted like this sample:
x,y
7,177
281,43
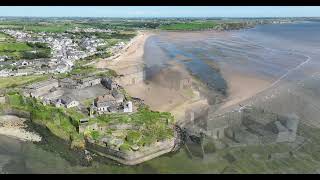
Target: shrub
x,y
95,135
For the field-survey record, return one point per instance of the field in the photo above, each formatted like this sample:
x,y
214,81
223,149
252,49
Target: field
x,y
5,38
41,27
9,47
16,50
22,80
189,26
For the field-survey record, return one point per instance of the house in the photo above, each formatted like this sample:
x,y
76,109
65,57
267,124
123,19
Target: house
x,y
46,101
57,103
69,102
89,81
128,107
119,97
41,88
24,63
22,72
62,68
109,84
105,103
68,83
5,73
3,58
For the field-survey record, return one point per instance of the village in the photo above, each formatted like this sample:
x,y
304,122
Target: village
x,y
113,124
66,48
94,98
105,93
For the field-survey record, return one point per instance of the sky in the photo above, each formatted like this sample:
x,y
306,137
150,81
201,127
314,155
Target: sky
x,y
161,11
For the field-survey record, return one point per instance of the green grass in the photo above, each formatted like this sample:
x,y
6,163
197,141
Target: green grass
x,y
189,26
153,126
133,137
83,70
5,38
88,102
13,49
21,80
14,46
60,121
95,135
49,27
19,50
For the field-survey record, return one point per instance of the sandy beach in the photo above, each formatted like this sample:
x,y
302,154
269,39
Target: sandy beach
x,y
242,86
14,126
131,55
158,96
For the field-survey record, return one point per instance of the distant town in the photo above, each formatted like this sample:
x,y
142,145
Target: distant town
x,y
65,50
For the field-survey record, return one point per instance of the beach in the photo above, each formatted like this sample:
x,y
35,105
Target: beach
x,y
130,55
242,86
14,126
155,92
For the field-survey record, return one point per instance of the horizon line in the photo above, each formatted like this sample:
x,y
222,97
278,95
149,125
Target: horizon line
x,y
159,17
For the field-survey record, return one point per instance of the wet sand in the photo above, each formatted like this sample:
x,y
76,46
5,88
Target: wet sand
x,y
156,95
247,68
242,86
242,83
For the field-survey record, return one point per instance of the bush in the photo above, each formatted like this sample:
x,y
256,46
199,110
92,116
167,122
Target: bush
x,y
38,45
95,135
133,137
36,55
125,147
77,142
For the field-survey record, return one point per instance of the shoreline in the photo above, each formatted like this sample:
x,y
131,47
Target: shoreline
x,y
130,54
173,101
15,127
241,87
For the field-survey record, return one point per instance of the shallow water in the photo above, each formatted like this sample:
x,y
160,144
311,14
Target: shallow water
x,y
266,51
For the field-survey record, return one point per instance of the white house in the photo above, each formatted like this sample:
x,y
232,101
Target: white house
x,y
128,107
69,102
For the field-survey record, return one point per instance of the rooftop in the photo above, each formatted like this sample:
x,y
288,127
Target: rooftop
x,y
104,98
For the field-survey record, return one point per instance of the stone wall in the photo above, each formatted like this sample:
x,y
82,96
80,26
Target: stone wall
x,y
134,157
15,112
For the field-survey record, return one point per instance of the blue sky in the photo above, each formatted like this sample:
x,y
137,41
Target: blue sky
x,y
161,11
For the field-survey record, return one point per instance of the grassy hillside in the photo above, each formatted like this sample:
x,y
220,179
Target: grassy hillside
x,y
189,26
22,80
